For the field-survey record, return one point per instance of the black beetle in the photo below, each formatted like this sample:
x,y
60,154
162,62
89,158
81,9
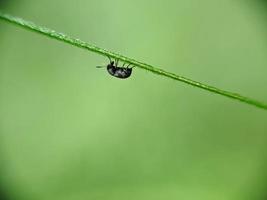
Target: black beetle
x,y
119,72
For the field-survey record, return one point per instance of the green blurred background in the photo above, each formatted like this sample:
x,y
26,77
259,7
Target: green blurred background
x,y
70,131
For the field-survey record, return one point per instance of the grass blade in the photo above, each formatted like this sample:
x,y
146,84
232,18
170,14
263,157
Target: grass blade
x,y
81,44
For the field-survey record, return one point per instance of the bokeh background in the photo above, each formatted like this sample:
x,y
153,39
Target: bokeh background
x,y
71,131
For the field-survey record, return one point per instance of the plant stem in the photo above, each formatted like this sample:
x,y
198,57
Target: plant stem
x,y
76,42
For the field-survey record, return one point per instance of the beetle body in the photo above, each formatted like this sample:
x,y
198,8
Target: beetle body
x,y
118,72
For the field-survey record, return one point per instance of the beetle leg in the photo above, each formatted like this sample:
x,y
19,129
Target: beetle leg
x,y
116,62
109,59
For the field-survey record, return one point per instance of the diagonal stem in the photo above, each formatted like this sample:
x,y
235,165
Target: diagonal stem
x,y
81,44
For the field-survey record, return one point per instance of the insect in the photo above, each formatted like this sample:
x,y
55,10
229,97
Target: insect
x,y
119,72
